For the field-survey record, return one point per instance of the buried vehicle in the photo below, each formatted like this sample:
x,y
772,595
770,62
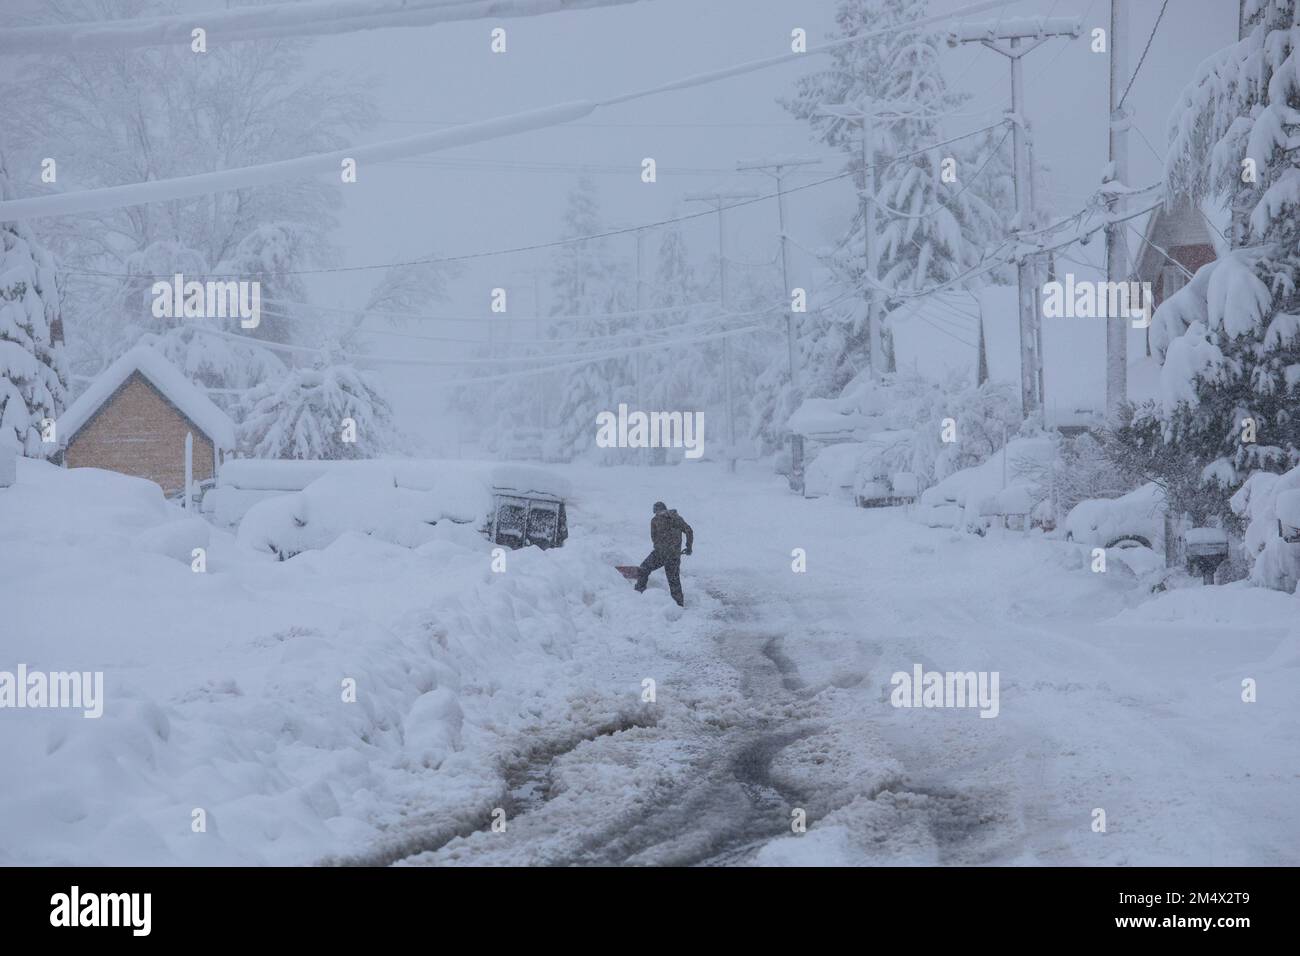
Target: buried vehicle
x,y
285,508
998,491
859,471
1134,520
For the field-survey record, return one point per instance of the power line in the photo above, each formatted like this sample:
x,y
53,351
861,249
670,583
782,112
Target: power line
x,y
1143,57
266,174
534,247
578,359
422,122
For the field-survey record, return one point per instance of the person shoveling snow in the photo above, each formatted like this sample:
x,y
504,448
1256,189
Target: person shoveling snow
x,y
666,530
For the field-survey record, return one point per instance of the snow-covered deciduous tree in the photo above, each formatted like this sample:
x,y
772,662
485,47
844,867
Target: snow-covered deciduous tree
x,y
1230,339
929,229
221,365
152,113
33,374
329,411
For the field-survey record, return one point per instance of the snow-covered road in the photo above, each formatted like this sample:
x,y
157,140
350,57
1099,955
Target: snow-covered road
x,y
772,696
522,691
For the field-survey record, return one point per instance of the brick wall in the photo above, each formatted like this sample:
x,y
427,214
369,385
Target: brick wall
x,y
138,432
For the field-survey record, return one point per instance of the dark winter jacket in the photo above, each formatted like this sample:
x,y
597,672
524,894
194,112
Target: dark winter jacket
x,y
666,530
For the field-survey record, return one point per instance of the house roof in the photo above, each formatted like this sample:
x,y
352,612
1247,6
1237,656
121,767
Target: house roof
x,y
1180,223
188,398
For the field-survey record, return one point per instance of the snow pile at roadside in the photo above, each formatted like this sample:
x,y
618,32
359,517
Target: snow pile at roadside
x,y
228,695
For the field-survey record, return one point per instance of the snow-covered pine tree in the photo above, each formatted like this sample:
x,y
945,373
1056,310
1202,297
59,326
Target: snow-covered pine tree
x,y
683,378
1230,339
33,373
585,287
306,414
929,230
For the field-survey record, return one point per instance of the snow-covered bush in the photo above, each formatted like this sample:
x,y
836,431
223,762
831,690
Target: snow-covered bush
x,y
313,412
33,375
1270,506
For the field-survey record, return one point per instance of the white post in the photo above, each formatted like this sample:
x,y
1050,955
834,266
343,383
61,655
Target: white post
x,y
1116,246
189,470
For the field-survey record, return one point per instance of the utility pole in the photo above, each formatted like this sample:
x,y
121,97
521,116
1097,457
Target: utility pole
x,y
639,319
1117,268
776,168
537,334
867,208
719,198
1015,32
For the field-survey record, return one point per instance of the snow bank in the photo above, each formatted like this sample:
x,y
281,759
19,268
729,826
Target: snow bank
x,y
322,705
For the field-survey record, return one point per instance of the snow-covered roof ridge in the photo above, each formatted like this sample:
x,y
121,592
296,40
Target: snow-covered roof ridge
x,y
174,385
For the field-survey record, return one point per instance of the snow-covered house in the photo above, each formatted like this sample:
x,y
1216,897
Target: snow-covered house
x,y
1179,231
133,419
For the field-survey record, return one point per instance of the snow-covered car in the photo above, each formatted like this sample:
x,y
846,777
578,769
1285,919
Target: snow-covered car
x,y
405,503
1136,519
972,497
859,471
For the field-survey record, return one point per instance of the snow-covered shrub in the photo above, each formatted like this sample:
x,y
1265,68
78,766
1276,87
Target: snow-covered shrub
x,y
33,374
307,414
1270,506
